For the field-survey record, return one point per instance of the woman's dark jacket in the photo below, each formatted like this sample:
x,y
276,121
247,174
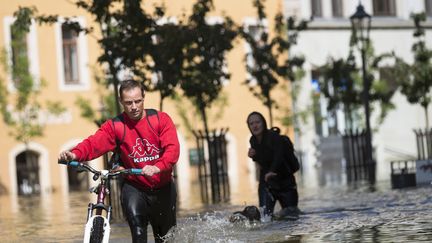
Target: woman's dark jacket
x,y
272,155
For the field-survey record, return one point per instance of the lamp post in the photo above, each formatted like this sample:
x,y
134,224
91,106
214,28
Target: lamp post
x,y
360,24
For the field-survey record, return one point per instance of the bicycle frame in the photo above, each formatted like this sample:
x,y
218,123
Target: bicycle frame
x,y
94,220
97,228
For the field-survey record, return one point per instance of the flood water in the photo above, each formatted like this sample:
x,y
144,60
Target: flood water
x,y
330,214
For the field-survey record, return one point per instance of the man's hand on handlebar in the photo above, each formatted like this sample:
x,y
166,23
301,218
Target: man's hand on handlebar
x,y
66,156
150,170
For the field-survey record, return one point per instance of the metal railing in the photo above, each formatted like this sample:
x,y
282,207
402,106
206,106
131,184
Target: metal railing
x,y
213,166
357,166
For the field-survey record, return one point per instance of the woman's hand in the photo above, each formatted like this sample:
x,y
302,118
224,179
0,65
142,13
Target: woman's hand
x,y
269,175
251,153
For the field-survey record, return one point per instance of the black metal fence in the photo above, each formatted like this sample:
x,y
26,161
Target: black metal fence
x,y
424,143
403,173
355,154
213,166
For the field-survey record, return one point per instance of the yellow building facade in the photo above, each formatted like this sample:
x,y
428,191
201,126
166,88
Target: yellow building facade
x,y
47,62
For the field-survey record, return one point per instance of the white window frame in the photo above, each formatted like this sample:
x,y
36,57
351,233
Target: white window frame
x,y
388,13
32,52
219,20
83,69
251,21
321,8
428,7
341,8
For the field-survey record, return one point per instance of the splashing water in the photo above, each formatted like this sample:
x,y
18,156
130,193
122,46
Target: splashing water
x,y
334,215
212,227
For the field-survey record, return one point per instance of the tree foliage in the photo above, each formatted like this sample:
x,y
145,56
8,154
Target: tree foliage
x,y
21,110
126,36
416,79
167,55
341,82
204,69
266,68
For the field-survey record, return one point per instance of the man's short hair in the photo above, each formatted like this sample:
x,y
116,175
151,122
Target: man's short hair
x,y
130,84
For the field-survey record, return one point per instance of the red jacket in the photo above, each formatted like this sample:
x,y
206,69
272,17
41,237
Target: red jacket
x,y
141,146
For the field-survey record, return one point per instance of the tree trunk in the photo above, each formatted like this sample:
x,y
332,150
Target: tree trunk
x,y
269,107
348,117
425,107
204,117
116,82
161,101
270,114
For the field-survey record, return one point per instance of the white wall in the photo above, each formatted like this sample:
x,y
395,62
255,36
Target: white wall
x,y
395,138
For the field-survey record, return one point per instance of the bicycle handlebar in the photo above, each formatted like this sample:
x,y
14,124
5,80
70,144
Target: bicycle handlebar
x,y
132,171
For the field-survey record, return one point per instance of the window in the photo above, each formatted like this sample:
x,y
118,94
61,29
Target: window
x,y
19,57
337,8
256,31
384,7
70,55
22,54
316,8
428,7
326,121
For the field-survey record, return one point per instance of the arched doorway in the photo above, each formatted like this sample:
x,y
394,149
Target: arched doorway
x,y
27,171
78,181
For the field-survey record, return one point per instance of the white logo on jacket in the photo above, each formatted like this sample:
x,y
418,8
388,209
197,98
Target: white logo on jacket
x,y
144,151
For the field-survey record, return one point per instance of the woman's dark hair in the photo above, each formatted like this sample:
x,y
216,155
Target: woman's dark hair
x,y
261,117
130,84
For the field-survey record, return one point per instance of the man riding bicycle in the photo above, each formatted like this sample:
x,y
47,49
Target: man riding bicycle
x,y
145,139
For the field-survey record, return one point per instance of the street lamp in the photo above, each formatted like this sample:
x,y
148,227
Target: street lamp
x,y
361,24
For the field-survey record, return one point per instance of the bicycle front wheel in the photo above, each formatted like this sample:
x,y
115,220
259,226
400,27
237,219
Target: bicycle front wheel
x,y
97,231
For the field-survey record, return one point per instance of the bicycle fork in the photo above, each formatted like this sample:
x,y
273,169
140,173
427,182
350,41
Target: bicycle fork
x,y
98,228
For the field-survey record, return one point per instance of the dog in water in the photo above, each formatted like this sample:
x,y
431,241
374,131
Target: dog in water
x,y
251,213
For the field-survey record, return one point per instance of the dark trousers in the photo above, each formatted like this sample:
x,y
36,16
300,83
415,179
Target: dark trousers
x,y
287,197
155,207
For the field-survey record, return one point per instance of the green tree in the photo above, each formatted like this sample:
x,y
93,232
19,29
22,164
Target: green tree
x,y
25,15
167,56
416,79
21,110
126,36
107,101
203,71
266,54
341,83
126,39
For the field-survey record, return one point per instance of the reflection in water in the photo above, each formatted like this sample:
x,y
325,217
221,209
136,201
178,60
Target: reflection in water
x,y
330,214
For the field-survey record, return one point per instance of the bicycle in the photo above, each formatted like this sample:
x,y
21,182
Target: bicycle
x,y
97,228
